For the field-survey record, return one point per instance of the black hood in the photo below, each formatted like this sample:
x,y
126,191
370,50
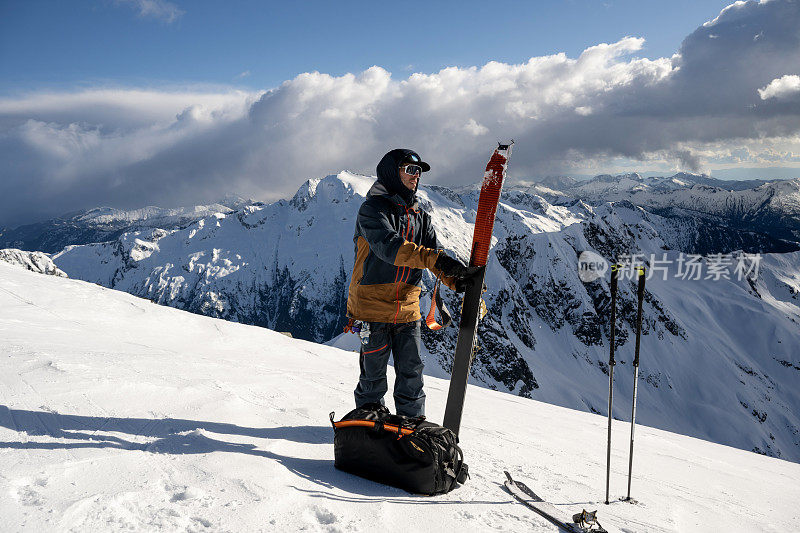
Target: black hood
x,y
389,173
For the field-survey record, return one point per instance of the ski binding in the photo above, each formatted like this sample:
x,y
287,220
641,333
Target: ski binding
x,y
583,522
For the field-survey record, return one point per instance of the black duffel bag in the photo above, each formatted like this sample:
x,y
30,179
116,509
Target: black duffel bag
x,y
409,453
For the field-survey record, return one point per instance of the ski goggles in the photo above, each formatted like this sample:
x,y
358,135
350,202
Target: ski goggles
x,y
412,170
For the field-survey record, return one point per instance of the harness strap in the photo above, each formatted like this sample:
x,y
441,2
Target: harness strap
x,y
351,326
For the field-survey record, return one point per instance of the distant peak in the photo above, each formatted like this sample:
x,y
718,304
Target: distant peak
x,y
335,186
235,201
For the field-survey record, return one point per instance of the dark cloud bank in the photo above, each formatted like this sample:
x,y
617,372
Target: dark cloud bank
x,y
129,148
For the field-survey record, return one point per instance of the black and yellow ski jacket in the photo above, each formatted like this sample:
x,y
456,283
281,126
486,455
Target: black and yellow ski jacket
x,y
394,240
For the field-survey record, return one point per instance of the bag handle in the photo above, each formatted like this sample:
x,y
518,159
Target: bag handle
x,y
372,425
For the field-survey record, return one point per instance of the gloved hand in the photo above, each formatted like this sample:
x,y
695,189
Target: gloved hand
x,y
462,284
452,268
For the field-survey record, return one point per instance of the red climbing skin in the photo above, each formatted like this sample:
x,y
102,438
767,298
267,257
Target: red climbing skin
x,y
470,308
487,205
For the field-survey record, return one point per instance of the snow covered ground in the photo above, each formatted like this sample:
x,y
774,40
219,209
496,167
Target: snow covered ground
x,y
120,414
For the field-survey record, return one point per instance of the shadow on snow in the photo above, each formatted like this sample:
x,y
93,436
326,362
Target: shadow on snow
x,y
179,436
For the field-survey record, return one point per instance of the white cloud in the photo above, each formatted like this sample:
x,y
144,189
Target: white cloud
x,y
157,9
751,153
119,108
726,11
606,107
781,87
474,128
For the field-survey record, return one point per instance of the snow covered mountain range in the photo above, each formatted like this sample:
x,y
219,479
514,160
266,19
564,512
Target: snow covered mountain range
x,y
105,223
719,356
122,415
678,180
771,209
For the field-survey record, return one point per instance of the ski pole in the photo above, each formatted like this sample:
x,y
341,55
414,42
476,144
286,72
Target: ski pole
x,y
611,363
640,296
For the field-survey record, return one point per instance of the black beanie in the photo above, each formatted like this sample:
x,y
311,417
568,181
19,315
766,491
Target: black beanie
x,y
389,173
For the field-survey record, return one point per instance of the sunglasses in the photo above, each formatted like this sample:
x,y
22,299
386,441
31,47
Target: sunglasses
x,y
412,170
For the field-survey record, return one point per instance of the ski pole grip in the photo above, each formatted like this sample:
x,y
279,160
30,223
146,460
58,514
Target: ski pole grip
x,y
640,295
614,269
640,289
614,272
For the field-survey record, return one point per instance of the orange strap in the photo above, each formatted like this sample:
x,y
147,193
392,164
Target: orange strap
x,y
436,301
370,424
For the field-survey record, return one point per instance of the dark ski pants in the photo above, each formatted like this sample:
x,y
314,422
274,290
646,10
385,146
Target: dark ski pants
x,y
403,342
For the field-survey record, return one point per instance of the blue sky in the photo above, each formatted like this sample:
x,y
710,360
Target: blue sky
x,y
57,45
128,103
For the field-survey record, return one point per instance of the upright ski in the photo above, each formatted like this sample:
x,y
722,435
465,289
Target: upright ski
x,y
484,222
583,522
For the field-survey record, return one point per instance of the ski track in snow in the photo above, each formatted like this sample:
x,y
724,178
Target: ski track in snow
x,y
130,416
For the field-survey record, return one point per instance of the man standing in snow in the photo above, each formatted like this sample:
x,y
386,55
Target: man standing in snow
x,y
394,241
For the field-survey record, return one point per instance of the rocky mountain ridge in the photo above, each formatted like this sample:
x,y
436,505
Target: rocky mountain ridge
x,y
286,266
769,212
106,223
